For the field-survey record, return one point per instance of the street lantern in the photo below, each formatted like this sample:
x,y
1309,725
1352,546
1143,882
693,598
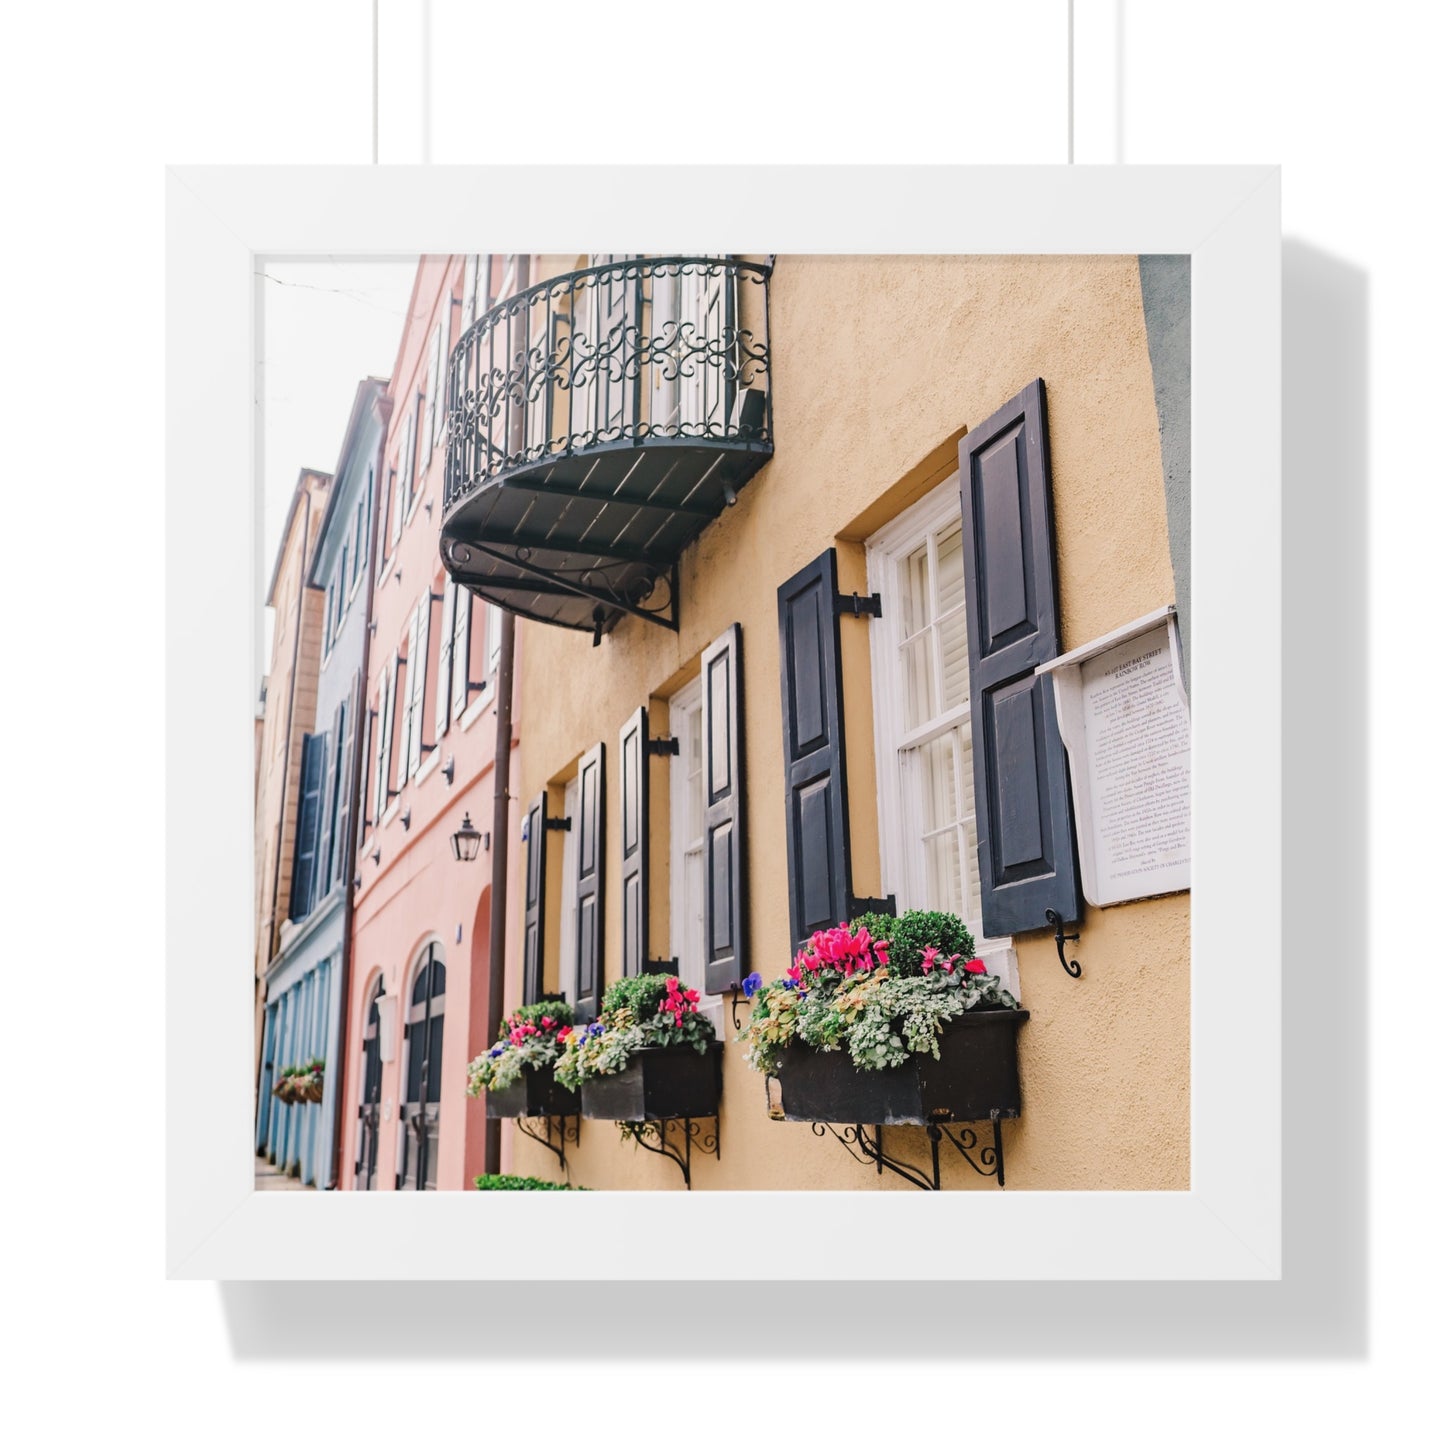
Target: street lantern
x,y
466,841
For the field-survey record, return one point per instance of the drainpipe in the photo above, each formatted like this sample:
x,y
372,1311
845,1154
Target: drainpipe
x,y
286,757
358,801
501,832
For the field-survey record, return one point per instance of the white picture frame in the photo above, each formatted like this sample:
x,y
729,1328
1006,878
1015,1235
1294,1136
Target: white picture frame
x,y
220,221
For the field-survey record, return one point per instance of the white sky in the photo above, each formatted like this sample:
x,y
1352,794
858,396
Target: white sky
x,y
328,323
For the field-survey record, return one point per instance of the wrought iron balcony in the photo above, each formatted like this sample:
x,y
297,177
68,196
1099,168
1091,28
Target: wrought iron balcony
x,y
597,422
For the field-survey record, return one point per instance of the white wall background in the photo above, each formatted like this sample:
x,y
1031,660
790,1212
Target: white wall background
x,y
95,98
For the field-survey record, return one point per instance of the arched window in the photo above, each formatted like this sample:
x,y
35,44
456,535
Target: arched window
x,y
421,1114
369,1110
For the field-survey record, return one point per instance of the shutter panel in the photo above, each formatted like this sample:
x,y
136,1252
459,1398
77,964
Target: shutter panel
x,y
383,750
313,758
590,834
416,679
403,689
326,821
632,745
535,900
428,421
469,291
346,748
724,789
444,659
1026,857
814,764
364,782
398,485
439,408
461,651
494,637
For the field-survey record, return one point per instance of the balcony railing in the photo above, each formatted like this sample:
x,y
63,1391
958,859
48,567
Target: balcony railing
x,y
630,352
596,422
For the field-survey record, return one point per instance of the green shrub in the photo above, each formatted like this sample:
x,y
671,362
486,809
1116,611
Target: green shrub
x,y
640,995
557,1009
519,1181
911,932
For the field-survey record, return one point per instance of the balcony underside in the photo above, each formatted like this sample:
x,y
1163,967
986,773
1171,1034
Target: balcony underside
x,y
585,539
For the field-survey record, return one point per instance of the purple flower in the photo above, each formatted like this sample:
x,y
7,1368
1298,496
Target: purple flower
x,y
789,984
751,984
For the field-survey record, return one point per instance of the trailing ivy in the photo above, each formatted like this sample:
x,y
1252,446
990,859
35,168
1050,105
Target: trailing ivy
x,y
648,1011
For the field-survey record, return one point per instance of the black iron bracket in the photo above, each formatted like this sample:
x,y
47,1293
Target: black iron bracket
x,y
663,747
856,606
869,1150
1060,938
737,993
558,825
653,1135
659,965
564,1126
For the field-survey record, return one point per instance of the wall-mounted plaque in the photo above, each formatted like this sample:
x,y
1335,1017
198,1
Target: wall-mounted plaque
x,y
1124,717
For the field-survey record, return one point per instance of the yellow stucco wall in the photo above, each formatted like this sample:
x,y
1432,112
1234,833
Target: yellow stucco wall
x,y
878,365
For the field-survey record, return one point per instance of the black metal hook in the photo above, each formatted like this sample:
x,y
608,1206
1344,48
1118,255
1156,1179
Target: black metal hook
x,y
1060,938
737,1022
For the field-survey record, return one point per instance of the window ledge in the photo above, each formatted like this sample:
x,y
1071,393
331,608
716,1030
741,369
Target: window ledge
x,y
474,710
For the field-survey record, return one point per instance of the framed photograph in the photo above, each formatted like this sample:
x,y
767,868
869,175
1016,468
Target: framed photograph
x,y
661,738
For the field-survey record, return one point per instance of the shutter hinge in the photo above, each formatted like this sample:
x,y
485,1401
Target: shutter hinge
x,y
559,825
856,606
663,747
659,965
888,905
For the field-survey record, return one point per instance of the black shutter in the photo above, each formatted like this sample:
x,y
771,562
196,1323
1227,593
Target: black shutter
x,y
819,868
632,745
330,769
724,790
313,758
590,834
535,903
1026,859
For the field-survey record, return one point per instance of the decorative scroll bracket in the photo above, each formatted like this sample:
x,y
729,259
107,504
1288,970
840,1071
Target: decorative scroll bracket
x,y
652,1135
865,1150
564,1126
1060,938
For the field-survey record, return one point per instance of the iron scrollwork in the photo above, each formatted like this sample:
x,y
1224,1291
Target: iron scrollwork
x,y
630,351
677,1145
866,1149
556,1133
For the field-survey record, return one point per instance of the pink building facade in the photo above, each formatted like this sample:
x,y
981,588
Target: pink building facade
x,y
417,997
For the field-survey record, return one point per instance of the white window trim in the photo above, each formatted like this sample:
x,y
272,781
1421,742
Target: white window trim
x,y
679,705
884,550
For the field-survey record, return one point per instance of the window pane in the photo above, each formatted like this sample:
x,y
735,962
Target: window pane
x,y
952,620
920,689
918,595
694,774
938,784
943,873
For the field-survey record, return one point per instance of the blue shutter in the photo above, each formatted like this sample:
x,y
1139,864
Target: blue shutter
x,y
633,791
1026,856
724,791
814,761
341,817
303,875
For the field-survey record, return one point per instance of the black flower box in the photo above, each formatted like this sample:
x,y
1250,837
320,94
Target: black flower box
x,y
976,1076
535,1095
658,1083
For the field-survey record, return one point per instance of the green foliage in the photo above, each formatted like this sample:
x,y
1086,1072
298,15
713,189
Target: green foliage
x,y
910,933
649,1011
532,1038
882,1006
518,1181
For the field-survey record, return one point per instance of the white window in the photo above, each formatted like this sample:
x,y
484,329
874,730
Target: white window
x,y
686,843
924,733
567,939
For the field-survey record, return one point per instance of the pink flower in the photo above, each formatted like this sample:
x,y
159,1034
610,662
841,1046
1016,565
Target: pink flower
x,y
564,1031
975,965
548,1022
929,954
